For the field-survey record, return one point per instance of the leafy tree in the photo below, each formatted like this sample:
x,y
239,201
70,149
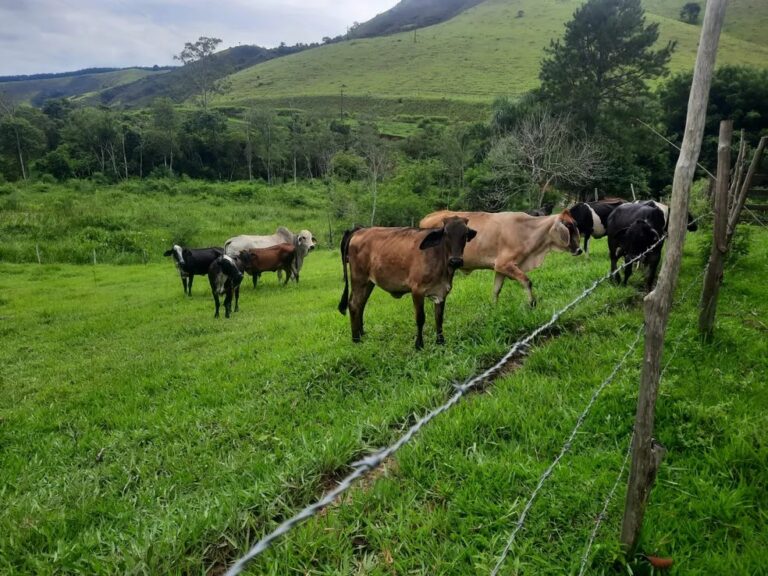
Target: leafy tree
x,y
163,132
739,93
603,61
21,138
690,12
377,157
198,58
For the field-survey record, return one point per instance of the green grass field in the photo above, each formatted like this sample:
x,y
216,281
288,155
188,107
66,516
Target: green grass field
x,y
138,435
480,54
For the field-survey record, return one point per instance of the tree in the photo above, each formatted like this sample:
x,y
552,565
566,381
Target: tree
x,y
604,60
543,149
198,58
163,133
377,157
20,137
690,12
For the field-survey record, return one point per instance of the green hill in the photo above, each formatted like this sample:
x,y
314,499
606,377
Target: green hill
x,y
75,85
410,14
486,51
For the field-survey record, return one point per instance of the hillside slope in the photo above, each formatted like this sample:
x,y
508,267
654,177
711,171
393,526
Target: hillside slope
x,y
410,14
483,52
35,91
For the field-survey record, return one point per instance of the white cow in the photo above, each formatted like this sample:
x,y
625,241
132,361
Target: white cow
x,y
304,242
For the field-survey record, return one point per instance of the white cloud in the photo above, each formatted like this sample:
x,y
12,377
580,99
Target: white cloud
x,y
58,35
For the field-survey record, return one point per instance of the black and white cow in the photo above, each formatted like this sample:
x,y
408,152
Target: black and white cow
x,y
592,217
225,275
692,224
634,228
191,262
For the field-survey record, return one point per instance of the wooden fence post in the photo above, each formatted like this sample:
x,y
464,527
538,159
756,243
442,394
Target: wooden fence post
x,y
738,202
714,275
646,453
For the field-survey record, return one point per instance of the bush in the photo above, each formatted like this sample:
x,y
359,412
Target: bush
x,y
347,166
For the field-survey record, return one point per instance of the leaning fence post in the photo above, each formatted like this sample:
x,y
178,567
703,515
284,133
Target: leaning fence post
x,y
37,251
94,256
646,452
714,275
741,198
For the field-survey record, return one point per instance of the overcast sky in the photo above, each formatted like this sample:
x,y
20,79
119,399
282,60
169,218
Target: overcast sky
x,y
60,35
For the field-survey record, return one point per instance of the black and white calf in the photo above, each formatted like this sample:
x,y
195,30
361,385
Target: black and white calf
x,y
592,217
634,228
225,275
191,262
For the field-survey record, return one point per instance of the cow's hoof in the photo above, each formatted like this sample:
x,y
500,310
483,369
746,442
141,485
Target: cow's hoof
x,y
441,340
533,303
419,345
356,340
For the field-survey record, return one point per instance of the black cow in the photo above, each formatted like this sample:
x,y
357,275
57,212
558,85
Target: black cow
x,y
692,224
225,275
592,217
633,228
191,262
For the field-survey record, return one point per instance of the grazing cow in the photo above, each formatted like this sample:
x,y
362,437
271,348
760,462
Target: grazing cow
x,y
512,243
225,275
304,242
191,262
403,260
633,228
272,259
592,217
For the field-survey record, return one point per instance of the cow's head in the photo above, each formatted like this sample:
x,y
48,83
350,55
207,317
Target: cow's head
x,y
305,242
454,235
178,255
565,233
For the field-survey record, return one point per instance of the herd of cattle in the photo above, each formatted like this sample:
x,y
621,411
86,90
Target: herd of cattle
x,y
422,261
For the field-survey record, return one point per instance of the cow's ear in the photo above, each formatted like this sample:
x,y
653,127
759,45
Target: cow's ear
x,y
432,239
563,233
168,252
471,234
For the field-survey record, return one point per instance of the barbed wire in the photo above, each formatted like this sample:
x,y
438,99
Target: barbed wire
x,y
754,216
563,451
603,513
373,461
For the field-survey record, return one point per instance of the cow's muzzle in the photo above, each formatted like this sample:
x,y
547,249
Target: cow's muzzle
x,y
456,262
577,252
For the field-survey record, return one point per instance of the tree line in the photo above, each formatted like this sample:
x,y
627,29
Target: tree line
x,y
585,128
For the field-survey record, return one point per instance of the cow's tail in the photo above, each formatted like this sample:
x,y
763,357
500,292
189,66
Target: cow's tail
x,y
344,253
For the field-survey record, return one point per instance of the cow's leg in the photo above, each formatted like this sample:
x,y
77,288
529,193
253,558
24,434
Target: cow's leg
x,y
511,270
255,278
184,284
498,284
612,252
237,298
586,244
627,270
287,275
215,297
357,301
439,313
650,270
418,306
227,299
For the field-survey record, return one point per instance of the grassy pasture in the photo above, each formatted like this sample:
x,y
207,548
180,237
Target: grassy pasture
x,y
139,435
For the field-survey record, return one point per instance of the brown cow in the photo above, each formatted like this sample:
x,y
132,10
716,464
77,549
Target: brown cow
x,y
403,260
512,243
271,259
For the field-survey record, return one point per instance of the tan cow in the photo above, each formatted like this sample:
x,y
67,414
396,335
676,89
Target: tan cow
x,y
512,243
403,260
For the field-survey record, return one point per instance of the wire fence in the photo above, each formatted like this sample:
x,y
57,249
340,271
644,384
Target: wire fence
x,y
604,512
566,447
373,461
